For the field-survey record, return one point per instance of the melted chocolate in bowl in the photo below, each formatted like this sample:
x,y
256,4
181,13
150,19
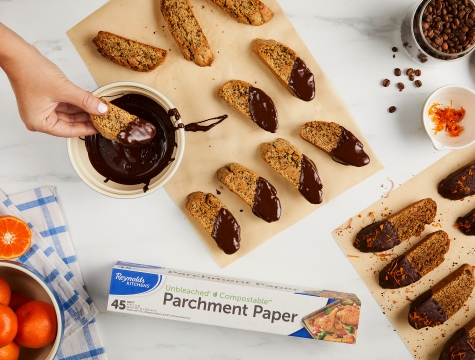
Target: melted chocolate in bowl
x,y
131,165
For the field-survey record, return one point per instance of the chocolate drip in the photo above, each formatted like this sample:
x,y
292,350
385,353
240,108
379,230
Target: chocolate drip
x,y
425,311
466,224
140,163
310,184
459,184
137,132
398,273
174,112
262,109
460,346
195,127
302,81
226,232
349,150
377,237
266,203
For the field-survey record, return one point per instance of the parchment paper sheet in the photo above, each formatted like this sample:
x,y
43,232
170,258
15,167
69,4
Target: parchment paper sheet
x,y
423,344
193,90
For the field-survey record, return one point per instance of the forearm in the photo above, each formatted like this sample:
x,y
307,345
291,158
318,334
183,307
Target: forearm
x,y
12,47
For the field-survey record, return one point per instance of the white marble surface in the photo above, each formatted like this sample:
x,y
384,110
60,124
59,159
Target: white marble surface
x,y
352,41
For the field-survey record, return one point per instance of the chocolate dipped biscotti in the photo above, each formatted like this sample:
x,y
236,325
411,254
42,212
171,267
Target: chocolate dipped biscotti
x,y
252,102
216,219
336,141
254,190
461,345
396,228
459,184
129,53
295,167
287,66
443,300
186,31
466,223
251,12
416,262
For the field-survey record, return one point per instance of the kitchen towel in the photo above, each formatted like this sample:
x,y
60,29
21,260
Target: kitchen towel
x,y
52,255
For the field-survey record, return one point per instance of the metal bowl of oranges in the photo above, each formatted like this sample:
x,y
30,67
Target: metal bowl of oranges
x,y
31,317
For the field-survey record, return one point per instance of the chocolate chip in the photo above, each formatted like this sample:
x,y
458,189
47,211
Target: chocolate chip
x,y
392,109
409,71
218,192
411,77
397,72
386,82
400,86
418,72
418,83
394,49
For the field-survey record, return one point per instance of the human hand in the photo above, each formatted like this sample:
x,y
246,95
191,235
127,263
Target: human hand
x,y
47,101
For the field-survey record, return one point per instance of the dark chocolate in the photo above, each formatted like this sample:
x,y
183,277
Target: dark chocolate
x,y
349,150
398,273
131,165
466,224
194,127
226,232
459,184
310,184
377,237
174,112
302,81
459,346
424,311
266,203
262,109
138,131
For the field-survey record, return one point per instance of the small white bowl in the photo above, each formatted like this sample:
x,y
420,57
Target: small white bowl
x,y
457,96
80,159
22,278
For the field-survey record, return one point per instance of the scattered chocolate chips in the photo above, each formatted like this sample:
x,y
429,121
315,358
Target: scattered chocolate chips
x,y
386,82
400,86
397,72
418,83
418,72
394,49
411,77
409,71
218,192
392,109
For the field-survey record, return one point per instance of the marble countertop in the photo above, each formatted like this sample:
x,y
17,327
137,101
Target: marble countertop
x,y
352,41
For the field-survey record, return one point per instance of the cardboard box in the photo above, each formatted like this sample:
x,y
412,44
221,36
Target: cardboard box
x,y
236,303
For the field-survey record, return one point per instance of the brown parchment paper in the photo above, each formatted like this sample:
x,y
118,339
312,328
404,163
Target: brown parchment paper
x,y
423,343
193,90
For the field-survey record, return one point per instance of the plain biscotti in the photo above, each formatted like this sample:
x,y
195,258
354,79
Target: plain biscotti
x,y
287,66
416,262
295,167
129,53
252,102
443,300
396,228
112,122
186,31
254,190
215,219
336,141
251,12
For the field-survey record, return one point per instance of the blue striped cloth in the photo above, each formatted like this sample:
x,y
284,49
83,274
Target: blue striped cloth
x,y
52,255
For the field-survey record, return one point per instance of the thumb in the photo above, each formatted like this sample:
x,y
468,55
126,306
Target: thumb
x,y
85,100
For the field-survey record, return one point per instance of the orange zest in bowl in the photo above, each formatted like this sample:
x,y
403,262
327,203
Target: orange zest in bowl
x,y
447,118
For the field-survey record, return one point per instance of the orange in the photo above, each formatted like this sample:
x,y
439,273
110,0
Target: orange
x,y
15,237
8,325
10,351
5,292
37,324
18,299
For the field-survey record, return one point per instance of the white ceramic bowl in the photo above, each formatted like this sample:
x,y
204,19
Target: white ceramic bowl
x,y
24,279
459,96
80,160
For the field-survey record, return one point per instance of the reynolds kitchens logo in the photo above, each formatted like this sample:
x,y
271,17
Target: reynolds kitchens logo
x,y
128,282
132,281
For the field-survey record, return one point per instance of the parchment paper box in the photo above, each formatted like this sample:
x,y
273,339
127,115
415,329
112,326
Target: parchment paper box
x,y
236,303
